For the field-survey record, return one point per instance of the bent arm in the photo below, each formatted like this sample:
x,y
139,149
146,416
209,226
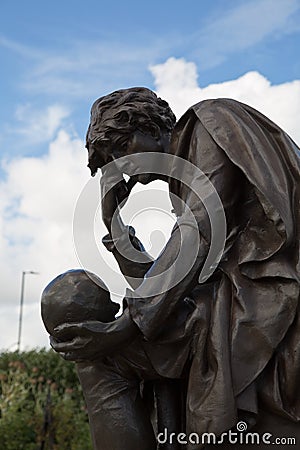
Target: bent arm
x,y
171,277
133,265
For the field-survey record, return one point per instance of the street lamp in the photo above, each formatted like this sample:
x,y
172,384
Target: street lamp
x,y
25,272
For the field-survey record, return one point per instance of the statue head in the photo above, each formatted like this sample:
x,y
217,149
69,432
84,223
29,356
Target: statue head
x,y
117,119
76,296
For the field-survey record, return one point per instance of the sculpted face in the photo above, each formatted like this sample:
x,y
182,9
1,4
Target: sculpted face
x,y
101,153
128,121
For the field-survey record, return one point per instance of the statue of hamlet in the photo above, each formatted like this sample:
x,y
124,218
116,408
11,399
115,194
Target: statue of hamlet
x,y
194,351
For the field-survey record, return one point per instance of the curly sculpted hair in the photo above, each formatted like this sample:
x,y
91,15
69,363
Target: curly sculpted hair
x,y
116,116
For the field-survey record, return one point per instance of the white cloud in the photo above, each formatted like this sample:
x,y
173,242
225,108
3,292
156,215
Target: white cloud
x,y
242,27
18,48
83,67
37,126
36,210
176,81
87,67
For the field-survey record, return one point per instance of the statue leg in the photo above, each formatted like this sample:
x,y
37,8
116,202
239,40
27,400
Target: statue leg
x,y
170,409
119,420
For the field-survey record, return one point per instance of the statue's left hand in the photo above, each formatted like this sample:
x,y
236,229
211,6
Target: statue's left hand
x,y
92,339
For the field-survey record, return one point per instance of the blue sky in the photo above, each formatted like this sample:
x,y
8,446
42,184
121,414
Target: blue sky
x,y
57,57
71,52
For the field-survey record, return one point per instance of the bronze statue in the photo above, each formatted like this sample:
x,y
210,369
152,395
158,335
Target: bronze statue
x,y
230,337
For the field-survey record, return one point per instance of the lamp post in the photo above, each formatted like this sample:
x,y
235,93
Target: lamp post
x,y
25,272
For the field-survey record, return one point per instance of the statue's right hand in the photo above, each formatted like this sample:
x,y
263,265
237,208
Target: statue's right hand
x,y
73,350
92,339
112,197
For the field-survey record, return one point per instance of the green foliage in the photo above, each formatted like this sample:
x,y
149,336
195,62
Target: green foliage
x,y
41,403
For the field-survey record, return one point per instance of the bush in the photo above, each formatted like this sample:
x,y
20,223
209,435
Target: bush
x,y
41,403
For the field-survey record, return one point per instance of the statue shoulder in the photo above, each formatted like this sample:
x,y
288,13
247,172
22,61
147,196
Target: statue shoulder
x,y
216,104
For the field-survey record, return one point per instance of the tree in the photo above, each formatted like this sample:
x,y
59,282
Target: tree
x,y
41,403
